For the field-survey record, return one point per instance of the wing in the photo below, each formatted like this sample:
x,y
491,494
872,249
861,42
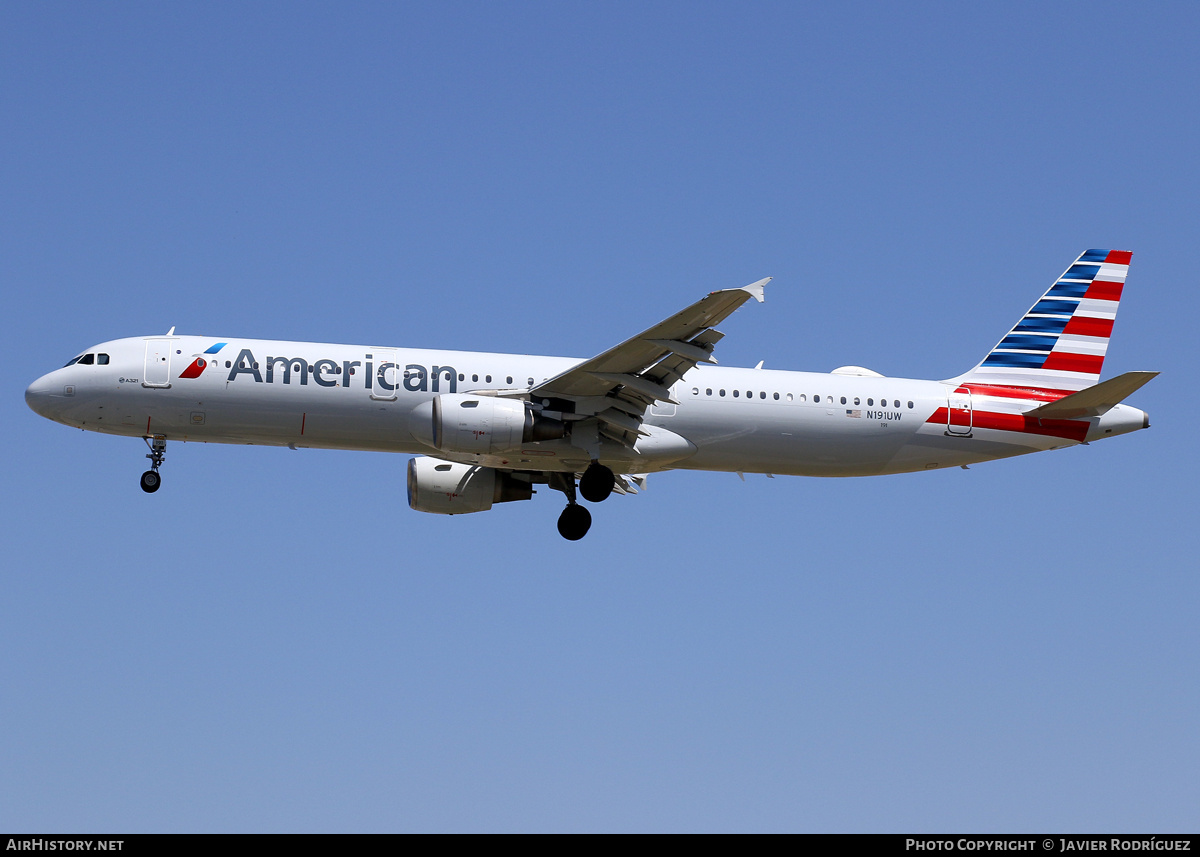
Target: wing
x,y
617,387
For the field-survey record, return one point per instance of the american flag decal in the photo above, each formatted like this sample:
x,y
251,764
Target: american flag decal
x,y
856,414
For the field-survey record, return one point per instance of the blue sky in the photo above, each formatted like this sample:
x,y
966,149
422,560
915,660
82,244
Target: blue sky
x,y
274,641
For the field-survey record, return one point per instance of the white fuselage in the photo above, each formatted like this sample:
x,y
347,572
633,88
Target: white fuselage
x,y
318,395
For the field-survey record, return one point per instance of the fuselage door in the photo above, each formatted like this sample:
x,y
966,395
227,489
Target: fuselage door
x,y
385,375
157,372
959,415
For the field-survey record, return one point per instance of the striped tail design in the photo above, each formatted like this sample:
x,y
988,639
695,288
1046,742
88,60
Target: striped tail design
x,y
1058,346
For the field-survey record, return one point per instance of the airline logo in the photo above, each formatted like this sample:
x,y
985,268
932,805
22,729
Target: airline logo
x,y
1061,342
329,373
196,368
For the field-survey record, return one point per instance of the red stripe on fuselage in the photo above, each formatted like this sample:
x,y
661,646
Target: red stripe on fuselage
x,y
1004,391
1104,290
1022,423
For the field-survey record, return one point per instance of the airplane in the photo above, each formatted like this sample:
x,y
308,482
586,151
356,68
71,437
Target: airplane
x,y
487,427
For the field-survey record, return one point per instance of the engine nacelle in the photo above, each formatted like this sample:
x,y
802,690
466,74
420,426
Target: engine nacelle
x,y
481,425
447,488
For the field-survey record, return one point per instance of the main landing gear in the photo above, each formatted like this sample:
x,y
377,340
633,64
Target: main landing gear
x,y
595,485
158,451
574,522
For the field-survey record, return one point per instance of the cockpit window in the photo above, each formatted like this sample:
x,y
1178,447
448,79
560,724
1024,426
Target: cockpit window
x,y
87,360
72,361
102,359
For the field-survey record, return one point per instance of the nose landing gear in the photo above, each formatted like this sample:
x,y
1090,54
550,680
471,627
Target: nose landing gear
x,y
158,451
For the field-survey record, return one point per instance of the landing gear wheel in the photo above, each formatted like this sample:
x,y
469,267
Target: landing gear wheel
x,y
596,483
158,451
574,522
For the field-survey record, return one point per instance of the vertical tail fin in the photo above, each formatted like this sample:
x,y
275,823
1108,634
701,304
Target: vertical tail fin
x,y
1059,345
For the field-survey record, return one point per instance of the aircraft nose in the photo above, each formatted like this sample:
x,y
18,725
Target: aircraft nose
x,y
40,395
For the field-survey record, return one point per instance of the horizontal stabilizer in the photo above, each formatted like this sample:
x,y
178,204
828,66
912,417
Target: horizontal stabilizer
x,y
1095,400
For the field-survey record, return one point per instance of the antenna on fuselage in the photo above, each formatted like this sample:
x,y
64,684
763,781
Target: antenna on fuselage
x,y
171,332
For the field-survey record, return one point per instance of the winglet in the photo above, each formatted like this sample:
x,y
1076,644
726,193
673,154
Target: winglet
x,y
756,289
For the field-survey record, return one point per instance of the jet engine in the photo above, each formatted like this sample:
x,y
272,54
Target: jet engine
x,y
447,488
481,425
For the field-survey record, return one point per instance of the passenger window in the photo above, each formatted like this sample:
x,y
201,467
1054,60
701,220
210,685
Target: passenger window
x,y
843,400
776,395
87,359
896,403
763,395
461,376
474,378
489,379
735,394
509,381
722,392
227,364
530,382
856,400
870,403
789,397
102,359
708,391
695,391
910,404
803,397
